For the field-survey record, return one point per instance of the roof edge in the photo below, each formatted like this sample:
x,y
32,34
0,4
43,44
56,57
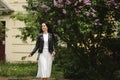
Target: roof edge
x,y
6,6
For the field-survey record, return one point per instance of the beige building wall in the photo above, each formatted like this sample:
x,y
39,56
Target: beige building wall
x,y
14,47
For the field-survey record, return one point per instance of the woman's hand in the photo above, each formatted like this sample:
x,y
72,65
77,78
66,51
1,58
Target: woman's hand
x,y
29,55
53,53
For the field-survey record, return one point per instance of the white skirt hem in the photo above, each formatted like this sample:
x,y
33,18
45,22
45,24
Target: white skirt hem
x,y
44,64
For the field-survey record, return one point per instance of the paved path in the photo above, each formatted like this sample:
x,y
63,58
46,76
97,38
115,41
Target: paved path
x,y
26,78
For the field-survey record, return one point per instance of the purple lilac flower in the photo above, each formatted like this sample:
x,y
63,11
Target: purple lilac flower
x,y
87,2
55,3
93,10
68,2
118,4
100,24
76,3
59,22
80,7
117,7
64,11
45,7
93,14
87,13
96,20
95,23
80,0
111,3
60,1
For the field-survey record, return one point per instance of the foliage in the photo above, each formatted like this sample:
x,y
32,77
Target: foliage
x,y
23,58
83,26
1,29
5,12
28,69
18,69
32,27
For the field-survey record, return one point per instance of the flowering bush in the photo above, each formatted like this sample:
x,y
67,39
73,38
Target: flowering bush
x,y
82,25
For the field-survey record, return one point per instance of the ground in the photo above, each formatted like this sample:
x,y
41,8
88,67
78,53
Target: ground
x,y
22,78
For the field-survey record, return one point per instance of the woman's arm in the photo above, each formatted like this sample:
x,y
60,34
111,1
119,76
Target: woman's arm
x,y
36,47
53,39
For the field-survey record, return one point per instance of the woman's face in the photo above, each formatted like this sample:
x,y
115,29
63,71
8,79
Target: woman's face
x,y
44,27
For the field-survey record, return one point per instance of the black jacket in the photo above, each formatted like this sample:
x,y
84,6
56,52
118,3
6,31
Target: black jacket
x,y
40,44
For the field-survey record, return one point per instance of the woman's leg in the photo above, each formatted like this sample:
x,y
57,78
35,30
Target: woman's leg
x,y
43,78
46,78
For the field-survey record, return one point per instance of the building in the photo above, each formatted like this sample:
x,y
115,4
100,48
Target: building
x,y
12,49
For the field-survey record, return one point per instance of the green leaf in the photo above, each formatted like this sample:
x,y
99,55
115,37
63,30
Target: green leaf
x,y
23,58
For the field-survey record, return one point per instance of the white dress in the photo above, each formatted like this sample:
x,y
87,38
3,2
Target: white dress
x,y
45,61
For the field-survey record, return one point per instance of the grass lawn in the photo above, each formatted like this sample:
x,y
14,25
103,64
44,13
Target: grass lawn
x,y
28,69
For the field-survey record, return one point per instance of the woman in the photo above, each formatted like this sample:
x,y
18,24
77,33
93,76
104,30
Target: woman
x,y
45,48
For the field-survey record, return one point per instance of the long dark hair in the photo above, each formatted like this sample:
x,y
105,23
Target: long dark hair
x,y
50,30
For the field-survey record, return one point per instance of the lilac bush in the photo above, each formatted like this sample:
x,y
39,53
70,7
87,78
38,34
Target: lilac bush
x,y
82,25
